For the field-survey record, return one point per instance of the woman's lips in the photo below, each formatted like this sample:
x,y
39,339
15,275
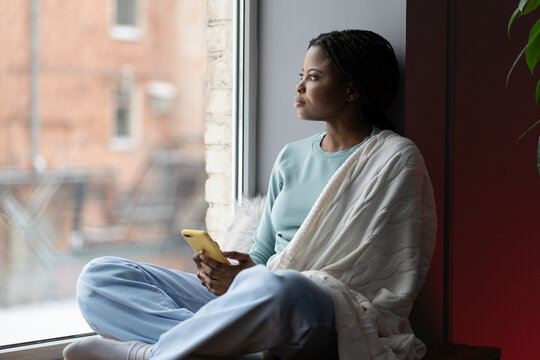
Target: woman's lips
x,y
298,102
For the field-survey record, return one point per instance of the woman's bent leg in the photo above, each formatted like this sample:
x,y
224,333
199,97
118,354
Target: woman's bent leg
x,y
126,300
284,312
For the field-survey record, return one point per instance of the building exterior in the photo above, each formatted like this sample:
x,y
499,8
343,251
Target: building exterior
x,y
116,130
102,120
112,83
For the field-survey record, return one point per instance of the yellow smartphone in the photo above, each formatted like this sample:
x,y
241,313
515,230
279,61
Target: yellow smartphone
x,y
201,240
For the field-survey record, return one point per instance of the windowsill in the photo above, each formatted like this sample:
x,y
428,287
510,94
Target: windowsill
x,y
32,323
46,350
125,33
122,144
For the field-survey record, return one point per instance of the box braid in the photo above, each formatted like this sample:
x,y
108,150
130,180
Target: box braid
x,y
368,61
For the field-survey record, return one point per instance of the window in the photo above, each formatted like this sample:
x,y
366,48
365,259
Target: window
x,y
125,111
122,128
67,194
126,20
126,12
123,125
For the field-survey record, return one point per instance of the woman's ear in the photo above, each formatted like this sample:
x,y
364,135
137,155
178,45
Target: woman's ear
x,y
352,94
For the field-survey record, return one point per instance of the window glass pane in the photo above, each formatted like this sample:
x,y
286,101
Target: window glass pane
x,y
122,122
66,194
126,12
123,114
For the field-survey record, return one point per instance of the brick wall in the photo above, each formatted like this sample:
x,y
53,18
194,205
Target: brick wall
x,y
81,65
218,135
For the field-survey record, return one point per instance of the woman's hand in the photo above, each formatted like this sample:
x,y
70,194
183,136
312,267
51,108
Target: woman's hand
x,y
216,276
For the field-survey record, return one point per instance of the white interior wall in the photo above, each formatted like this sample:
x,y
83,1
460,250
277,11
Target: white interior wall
x,y
284,30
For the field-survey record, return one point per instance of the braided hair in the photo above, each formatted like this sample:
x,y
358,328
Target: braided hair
x,y
368,61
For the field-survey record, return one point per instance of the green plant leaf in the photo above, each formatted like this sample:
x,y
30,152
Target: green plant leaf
x,y
532,55
531,6
518,11
515,62
527,131
522,4
514,16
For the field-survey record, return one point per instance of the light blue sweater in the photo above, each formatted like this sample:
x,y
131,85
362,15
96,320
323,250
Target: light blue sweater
x,y
301,171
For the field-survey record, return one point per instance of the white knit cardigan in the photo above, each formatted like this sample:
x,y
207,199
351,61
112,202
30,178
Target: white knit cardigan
x,y
369,239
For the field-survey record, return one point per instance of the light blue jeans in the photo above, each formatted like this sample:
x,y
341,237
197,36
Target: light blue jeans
x,y
283,312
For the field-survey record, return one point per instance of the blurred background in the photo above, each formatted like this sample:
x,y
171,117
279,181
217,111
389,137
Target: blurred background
x,y
102,109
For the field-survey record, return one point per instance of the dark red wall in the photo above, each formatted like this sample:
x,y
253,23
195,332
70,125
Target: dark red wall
x,y
465,121
496,190
425,109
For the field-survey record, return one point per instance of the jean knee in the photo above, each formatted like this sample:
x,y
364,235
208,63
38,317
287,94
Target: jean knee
x,y
98,273
95,269
261,281
290,291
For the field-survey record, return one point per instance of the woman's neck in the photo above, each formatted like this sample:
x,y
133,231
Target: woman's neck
x,y
340,136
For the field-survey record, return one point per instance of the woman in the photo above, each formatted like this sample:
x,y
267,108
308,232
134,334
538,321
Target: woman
x,y
346,237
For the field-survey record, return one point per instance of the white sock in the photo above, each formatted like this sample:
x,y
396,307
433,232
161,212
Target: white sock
x,y
104,349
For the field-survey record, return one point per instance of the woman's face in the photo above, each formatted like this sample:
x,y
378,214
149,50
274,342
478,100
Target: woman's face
x,y
321,94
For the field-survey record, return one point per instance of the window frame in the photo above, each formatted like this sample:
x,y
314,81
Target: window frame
x,y
245,97
244,146
40,350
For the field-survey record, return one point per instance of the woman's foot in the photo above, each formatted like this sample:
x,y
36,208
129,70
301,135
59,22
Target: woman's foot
x,y
98,348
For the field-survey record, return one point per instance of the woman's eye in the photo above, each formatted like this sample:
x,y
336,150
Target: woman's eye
x,y
310,77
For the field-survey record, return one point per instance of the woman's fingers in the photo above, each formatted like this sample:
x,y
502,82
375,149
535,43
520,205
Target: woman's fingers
x,y
197,259
236,255
217,276
211,262
215,286
244,259
210,275
212,272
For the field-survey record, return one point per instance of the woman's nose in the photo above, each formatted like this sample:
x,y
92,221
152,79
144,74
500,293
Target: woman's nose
x,y
300,86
